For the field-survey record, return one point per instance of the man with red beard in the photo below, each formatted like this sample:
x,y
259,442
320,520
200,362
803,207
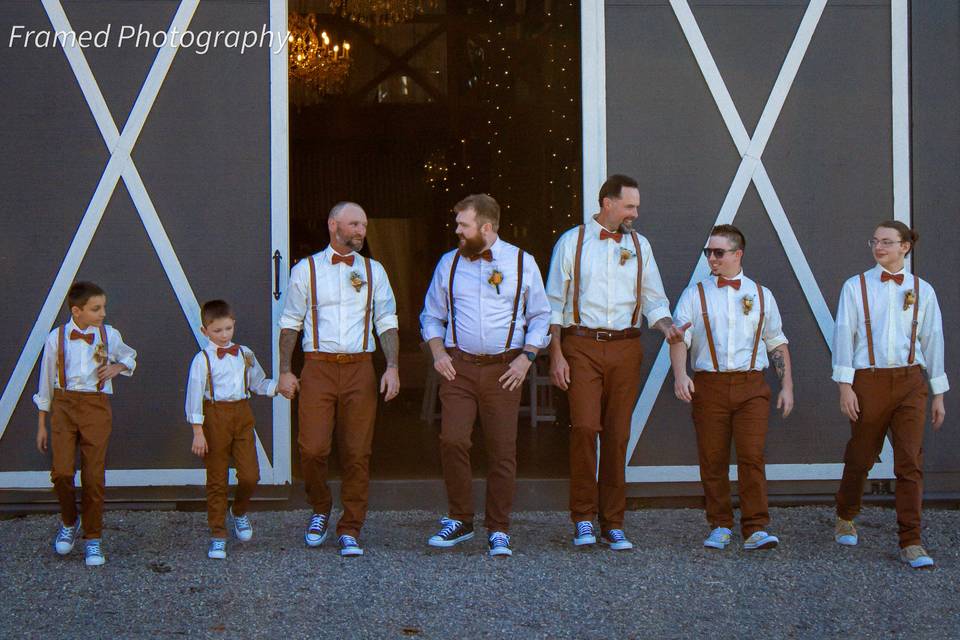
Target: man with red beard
x,y
338,297
485,317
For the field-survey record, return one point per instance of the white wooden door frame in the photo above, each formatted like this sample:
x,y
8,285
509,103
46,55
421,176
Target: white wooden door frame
x,y
121,166
751,169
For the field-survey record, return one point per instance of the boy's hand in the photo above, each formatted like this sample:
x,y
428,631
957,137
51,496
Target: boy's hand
x,y
199,446
109,371
42,433
288,385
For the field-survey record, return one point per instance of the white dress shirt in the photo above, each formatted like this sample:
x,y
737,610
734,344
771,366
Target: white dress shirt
x,y
734,331
340,307
608,289
482,314
231,375
891,325
81,367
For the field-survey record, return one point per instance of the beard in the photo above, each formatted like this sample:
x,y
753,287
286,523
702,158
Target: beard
x,y
354,242
471,246
626,226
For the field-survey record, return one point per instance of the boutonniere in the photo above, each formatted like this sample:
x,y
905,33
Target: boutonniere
x,y
909,298
247,358
747,302
496,279
356,281
100,354
625,254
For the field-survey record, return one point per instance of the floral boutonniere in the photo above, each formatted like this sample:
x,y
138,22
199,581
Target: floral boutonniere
x,y
247,358
100,354
909,298
625,254
747,302
495,280
356,281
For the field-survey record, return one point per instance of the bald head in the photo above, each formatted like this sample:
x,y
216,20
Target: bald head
x,y
347,224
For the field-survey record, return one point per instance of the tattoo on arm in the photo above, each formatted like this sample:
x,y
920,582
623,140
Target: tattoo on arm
x,y
776,359
390,343
288,342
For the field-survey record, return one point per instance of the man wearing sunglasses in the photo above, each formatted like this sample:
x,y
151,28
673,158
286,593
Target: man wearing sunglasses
x,y
733,325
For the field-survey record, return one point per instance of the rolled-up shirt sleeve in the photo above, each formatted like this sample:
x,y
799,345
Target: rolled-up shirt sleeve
x,y
433,318
558,278
122,353
257,380
773,335
48,373
537,307
931,344
196,385
296,297
844,335
655,304
384,303
686,313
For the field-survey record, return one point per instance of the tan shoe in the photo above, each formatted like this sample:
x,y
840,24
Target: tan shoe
x,y
916,556
845,533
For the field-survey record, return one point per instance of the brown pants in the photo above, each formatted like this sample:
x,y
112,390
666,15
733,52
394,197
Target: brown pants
x,y
604,386
228,428
84,420
476,388
893,400
338,399
732,404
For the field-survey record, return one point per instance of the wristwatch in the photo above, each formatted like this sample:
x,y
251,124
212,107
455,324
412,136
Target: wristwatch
x,y
531,356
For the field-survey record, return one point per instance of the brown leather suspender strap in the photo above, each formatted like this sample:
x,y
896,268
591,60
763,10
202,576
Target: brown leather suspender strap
x,y
313,304
106,352
916,315
706,325
366,314
213,396
866,320
516,299
62,357
576,275
246,371
756,338
453,315
636,309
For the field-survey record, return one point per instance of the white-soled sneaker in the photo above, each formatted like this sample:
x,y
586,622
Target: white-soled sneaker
x,y
616,540
242,529
317,530
451,533
583,534
760,540
719,538
66,538
218,549
916,556
499,543
93,553
845,533
349,546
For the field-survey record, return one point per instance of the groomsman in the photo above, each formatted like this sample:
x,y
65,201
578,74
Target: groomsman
x,y
731,324
338,298
602,277
889,329
485,318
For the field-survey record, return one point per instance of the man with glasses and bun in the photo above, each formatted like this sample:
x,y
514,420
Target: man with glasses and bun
x,y
733,329
889,329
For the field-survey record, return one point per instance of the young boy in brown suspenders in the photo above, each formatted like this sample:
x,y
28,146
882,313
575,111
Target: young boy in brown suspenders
x,y
222,377
733,324
889,329
80,359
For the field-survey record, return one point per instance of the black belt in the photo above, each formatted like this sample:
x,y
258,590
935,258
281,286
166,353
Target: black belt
x,y
601,335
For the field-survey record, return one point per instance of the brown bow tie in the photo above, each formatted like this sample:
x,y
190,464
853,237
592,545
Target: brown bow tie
x,y
606,235
347,260
222,351
884,276
86,337
723,282
486,254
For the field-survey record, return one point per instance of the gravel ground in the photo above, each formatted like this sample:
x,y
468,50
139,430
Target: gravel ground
x,y
158,582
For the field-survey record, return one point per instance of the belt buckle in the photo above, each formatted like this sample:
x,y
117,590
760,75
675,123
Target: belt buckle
x,y
603,336
342,357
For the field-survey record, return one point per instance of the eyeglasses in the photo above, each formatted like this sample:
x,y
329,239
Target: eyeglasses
x,y
886,244
717,253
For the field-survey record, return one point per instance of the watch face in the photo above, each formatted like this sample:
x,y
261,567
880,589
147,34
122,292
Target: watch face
x,y
530,355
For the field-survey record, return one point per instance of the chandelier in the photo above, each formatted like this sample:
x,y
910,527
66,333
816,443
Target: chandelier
x,y
380,13
316,67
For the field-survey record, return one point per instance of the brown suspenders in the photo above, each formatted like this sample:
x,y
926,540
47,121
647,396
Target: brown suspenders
x,y
866,320
913,329
213,395
367,311
516,298
709,331
576,277
62,355
246,370
916,314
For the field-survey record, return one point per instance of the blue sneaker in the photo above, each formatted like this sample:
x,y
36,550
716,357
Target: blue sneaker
x,y
242,528
583,534
916,557
616,540
845,533
452,532
93,553
218,549
66,538
499,544
317,530
760,540
719,538
349,546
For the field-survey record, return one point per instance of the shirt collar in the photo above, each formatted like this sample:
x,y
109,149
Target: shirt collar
x,y
879,269
329,252
596,226
716,279
72,326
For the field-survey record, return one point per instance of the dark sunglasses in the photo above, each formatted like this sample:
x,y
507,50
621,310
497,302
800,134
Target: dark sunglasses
x,y
717,253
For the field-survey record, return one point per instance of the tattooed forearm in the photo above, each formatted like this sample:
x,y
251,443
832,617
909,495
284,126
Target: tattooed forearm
x,y
390,343
288,342
777,360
